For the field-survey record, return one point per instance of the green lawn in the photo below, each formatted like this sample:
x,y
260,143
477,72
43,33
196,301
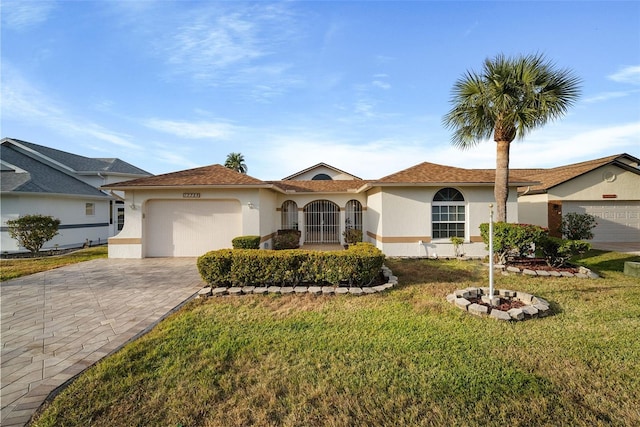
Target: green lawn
x,y
402,358
12,268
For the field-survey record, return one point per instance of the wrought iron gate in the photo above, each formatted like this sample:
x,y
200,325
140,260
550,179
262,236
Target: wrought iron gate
x,y
322,222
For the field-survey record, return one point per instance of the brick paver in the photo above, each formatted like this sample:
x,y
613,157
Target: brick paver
x,y
57,323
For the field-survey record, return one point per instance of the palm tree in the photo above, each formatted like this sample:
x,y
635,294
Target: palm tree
x,y
235,161
509,98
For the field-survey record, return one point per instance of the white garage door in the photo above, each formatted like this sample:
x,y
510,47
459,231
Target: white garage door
x,y
187,228
617,221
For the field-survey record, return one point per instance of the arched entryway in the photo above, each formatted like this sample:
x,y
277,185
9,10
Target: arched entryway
x,y
322,222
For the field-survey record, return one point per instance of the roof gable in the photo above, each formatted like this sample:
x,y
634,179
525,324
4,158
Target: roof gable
x,y
336,173
552,177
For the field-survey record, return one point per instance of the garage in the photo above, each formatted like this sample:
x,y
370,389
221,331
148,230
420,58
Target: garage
x,y
189,228
618,221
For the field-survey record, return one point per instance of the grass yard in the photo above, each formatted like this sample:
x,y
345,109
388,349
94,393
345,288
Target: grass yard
x,y
402,358
12,268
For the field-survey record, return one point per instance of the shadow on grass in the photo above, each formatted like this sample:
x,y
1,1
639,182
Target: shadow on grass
x,y
413,271
602,262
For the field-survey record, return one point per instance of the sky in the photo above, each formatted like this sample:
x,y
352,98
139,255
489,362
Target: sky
x,y
360,85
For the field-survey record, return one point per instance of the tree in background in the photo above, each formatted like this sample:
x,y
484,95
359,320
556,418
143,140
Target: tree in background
x,y
509,98
235,161
33,231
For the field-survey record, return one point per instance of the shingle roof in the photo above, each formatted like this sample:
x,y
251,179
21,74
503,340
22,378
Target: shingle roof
x,y
431,173
206,175
81,163
38,177
549,178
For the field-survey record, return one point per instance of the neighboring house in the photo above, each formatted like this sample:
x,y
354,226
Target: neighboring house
x,y
42,180
608,188
413,212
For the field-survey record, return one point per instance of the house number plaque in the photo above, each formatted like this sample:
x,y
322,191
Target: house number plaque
x,y
190,195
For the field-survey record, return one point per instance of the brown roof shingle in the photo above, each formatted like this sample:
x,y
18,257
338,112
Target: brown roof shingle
x,y
551,177
337,186
206,175
426,173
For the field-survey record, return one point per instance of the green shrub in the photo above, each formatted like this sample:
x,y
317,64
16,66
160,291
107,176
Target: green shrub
x,y
558,251
246,242
33,231
512,239
286,239
358,266
352,236
576,226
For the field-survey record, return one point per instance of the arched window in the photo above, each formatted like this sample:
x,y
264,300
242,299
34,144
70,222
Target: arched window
x,y
448,214
321,177
353,215
289,215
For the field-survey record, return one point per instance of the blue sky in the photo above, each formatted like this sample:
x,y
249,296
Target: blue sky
x,y
362,86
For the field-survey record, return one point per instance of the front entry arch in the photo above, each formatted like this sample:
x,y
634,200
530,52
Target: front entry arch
x,y
322,222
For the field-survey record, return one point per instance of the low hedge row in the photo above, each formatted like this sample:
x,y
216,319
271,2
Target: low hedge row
x,y
360,265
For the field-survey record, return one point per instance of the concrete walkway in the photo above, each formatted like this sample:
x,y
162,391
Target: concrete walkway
x,y
57,323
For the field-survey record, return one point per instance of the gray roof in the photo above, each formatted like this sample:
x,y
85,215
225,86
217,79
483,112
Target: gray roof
x,y
37,177
84,164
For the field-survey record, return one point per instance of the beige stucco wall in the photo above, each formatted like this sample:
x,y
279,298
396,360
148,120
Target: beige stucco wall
x,y
607,180
532,209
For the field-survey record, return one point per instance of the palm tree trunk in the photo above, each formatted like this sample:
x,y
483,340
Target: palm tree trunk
x,y
501,188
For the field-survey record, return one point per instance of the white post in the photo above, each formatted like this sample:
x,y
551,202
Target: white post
x,y
491,251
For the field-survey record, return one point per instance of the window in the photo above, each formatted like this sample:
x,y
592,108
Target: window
x,y
321,177
289,215
89,209
353,215
448,214
120,218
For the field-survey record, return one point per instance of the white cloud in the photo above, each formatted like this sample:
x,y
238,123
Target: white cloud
x,y
21,15
22,101
191,130
629,74
605,96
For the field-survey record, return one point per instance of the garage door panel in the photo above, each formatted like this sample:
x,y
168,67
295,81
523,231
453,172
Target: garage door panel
x,y
181,228
617,221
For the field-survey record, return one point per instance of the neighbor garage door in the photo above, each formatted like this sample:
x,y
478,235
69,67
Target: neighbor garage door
x,y
186,228
617,221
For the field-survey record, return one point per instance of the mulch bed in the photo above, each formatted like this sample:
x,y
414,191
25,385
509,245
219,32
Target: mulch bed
x,y
504,305
539,264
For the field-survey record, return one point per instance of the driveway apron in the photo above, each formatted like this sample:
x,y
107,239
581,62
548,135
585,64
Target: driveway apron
x,y
57,323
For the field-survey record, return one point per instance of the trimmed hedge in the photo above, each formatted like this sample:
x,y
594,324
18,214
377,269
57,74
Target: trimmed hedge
x,y
287,239
360,265
246,242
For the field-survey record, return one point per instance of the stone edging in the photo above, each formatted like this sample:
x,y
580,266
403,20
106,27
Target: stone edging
x,y
301,290
534,306
583,272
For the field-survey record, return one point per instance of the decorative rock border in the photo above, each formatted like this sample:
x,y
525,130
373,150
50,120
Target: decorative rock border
x,y
533,306
301,290
583,272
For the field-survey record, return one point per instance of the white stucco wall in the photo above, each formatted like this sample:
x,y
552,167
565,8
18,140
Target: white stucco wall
x,y
75,226
129,243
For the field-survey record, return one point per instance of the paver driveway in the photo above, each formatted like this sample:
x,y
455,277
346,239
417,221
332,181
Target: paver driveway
x,y
57,323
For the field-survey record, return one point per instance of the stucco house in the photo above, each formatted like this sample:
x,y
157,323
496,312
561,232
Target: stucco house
x,y
41,180
608,188
413,212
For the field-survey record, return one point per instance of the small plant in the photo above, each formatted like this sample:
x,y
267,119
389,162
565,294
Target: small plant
x,y
352,236
576,226
246,242
558,251
33,231
458,243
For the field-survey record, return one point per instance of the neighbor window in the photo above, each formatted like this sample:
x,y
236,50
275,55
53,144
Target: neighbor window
x,y
448,214
90,209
